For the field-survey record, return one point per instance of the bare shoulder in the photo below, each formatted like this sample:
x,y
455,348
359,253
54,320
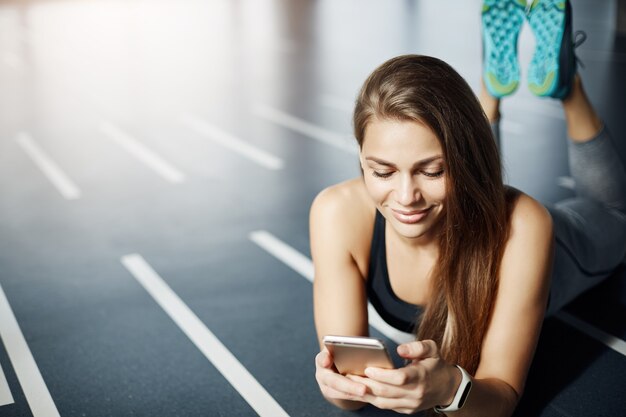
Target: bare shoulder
x,y
530,237
344,205
342,215
528,216
347,192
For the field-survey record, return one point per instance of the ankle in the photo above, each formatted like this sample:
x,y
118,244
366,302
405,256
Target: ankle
x,y
583,123
490,105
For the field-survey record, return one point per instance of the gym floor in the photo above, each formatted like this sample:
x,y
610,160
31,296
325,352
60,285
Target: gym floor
x,y
157,163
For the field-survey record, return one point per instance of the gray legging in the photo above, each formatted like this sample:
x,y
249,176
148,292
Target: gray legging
x,y
589,229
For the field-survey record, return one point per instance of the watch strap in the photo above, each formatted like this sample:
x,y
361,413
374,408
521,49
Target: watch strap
x,y
461,393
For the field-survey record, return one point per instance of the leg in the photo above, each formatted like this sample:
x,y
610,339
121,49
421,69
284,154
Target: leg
x,y
491,107
490,104
583,122
594,163
590,230
590,242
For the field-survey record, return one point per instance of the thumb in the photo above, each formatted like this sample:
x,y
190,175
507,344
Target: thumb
x,y
418,350
324,359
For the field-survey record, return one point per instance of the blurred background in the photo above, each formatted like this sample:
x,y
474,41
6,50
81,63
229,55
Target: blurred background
x,y
157,163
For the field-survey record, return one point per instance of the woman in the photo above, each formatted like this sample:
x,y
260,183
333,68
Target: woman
x,y
469,260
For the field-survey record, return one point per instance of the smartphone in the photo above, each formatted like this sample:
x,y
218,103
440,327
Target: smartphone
x,y
353,354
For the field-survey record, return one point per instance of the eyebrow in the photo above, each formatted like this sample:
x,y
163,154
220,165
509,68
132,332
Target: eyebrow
x,y
392,165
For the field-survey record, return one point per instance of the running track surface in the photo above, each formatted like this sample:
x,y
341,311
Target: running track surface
x,y
157,163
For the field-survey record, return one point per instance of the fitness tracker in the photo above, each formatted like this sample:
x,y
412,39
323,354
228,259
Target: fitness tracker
x,y
461,393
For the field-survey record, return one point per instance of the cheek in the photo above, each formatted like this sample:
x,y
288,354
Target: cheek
x,y
435,190
378,190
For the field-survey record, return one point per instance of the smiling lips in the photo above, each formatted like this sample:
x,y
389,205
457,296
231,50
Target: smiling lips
x,y
410,217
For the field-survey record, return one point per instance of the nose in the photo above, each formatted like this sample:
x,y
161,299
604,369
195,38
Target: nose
x,y
407,191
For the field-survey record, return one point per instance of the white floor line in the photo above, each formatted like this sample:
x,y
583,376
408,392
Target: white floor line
x,y
566,182
231,142
31,381
336,103
141,152
5,392
50,169
236,374
305,128
612,342
303,265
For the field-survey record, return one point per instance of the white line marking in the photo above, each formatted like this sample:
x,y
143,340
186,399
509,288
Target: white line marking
x,y
33,385
51,170
303,127
285,253
612,342
231,142
141,152
303,265
566,182
336,103
5,392
203,338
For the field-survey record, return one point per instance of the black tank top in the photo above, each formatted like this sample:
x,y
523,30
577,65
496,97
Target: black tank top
x,y
393,310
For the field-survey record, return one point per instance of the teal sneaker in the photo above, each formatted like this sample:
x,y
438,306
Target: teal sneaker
x,y
553,66
501,20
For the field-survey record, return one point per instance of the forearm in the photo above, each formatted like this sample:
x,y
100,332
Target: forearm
x,y
488,398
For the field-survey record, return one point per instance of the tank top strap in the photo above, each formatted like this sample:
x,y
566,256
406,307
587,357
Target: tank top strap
x,y
392,309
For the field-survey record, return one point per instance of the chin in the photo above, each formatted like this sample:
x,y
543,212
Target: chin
x,y
411,231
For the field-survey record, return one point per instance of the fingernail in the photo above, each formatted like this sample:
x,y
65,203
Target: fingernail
x,y
403,350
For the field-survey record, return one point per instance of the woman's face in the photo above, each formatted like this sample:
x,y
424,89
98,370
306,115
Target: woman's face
x,y
403,169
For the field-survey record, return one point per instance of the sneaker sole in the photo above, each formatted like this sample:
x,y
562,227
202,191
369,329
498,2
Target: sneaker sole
x,y
501,26
556,30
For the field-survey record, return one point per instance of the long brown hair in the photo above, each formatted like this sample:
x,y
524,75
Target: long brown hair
x,y
475,221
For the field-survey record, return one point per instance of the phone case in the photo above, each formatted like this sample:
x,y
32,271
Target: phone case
x,y
353,354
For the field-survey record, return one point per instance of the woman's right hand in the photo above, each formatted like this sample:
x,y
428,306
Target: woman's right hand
x,y
334,386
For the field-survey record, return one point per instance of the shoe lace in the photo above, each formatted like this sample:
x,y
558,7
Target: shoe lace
x,y
579,38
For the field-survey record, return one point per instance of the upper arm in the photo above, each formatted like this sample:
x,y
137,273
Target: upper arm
x,y
524,282
339,297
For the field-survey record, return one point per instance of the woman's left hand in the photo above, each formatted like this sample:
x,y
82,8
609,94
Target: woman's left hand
x,y
424,383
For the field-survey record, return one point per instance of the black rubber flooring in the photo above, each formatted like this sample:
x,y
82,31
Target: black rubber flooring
x,y
102,344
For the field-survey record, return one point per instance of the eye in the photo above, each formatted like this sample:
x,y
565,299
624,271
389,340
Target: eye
x,y
433,174
382,174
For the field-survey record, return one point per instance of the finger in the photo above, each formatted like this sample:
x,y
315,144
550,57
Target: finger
x,y
397,377
388,403
332,393
405,410
381,389
368,383
418,350
323,359
343,384
357,378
